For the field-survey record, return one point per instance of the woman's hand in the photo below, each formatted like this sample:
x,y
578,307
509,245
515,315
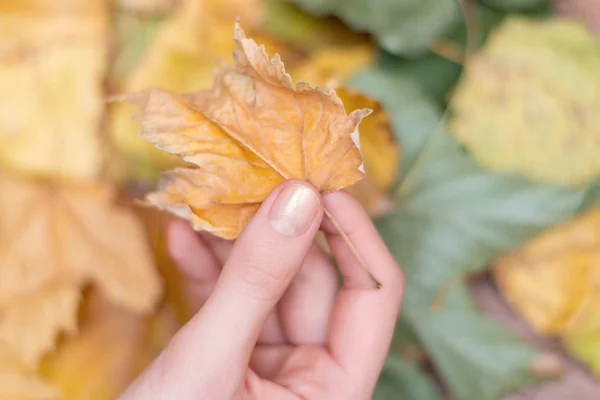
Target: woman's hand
x,y
273,322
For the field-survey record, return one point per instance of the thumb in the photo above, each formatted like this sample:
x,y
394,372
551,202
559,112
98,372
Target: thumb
x,y
266,257
209,356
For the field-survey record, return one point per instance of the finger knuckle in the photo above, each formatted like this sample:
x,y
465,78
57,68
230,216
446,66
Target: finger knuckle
x,y
396,282
262,277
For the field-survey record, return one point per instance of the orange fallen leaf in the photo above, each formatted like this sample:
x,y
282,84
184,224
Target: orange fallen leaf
x,y
551,279
119,344
32,322
19,382
57,238
381,154
156,224
553,282
247,135
333,64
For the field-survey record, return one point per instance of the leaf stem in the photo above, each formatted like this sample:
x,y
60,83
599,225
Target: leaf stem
x,y
448,50
338,228
471,21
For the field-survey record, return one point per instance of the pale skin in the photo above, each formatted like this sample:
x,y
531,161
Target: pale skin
x,y
273,322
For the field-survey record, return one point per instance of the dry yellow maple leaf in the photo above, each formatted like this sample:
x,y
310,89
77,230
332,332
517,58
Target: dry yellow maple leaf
x,y
528,101
553,282
52,61
19,382
64,237
247,135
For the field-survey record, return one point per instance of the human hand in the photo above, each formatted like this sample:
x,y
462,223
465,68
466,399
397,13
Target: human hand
x,y
274,323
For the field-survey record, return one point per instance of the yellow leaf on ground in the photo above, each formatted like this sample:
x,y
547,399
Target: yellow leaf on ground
x,y
333,64
18,382
181,59
528,102
248,135
380,151
377,142
583,338
113,347
553,282
156,224
67,234
551,279
52,61
31,324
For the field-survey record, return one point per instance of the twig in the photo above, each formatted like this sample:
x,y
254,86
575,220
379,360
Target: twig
x,y
448,50
352,248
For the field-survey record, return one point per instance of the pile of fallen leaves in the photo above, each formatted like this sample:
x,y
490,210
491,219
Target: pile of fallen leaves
x,y
480,154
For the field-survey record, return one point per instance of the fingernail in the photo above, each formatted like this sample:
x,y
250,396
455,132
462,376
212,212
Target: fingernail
x,y
294,210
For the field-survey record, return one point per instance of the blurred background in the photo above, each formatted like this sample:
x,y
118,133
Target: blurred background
x,y
482,176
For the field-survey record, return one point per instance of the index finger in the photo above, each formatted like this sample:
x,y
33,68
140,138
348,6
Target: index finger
x,y
363,318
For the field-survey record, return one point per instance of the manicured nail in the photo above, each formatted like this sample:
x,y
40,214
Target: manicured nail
x,y
294,210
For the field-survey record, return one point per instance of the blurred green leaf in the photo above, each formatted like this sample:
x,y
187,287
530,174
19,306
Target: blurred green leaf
x,y
435,75
516,5
296,27
401,26
401,380
476,356
455,217
452,218
405,339
592,196
484,21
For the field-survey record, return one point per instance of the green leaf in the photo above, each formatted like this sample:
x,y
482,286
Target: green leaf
x,y
401,26
592,196
485,20
455,217
516,5
405,339
452,218
477,357
401,380
435,75
296,27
